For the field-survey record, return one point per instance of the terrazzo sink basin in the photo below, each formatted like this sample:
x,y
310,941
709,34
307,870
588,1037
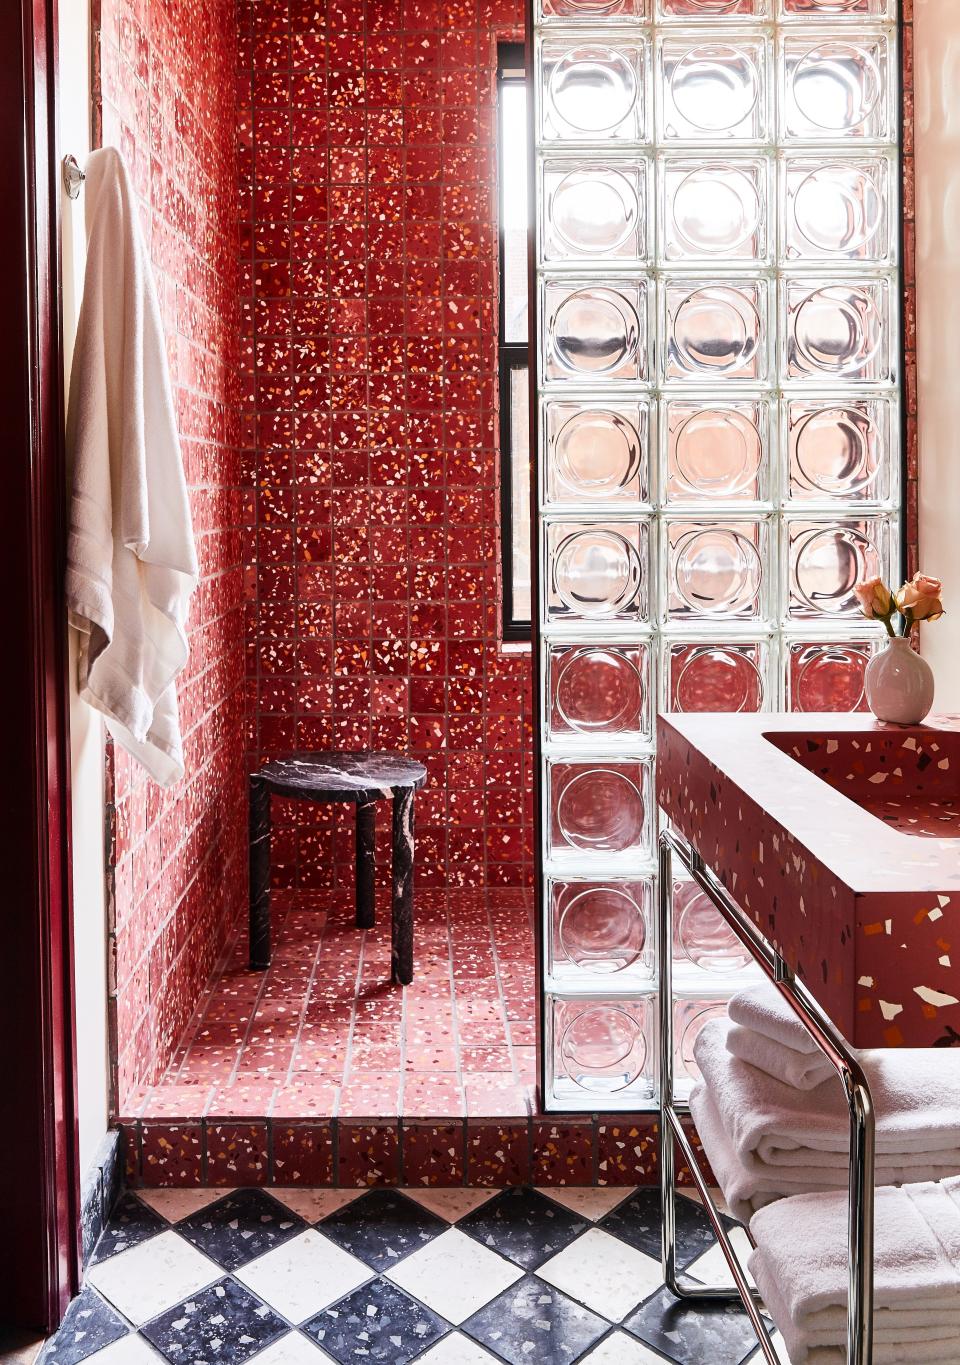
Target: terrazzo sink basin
x,y
838,835
910,782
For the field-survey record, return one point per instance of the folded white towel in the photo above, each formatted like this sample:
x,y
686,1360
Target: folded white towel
x,y
803,1070
800,1267
744,1192
906,1353
762,1009
802,1137
131,559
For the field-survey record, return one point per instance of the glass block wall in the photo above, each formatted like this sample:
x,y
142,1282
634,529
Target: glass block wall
x,y
718,452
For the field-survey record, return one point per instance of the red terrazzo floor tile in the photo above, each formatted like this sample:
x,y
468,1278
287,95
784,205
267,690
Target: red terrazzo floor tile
x,y
237,1154
368,1154
171,1154
303,1153
627,1150
432,1154
323,1032
562,1154
498,1154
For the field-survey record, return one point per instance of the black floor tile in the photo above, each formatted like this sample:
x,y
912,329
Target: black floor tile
x,y
382,1227
131,1223
88,1326
377,1322
693,1334
240,1226
223,1323
533,1322
639,1222
523,1226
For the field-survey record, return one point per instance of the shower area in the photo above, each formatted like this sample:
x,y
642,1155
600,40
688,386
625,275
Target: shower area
x,y
712,362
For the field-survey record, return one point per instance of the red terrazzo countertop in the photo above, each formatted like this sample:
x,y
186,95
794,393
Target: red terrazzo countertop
x,y
805,819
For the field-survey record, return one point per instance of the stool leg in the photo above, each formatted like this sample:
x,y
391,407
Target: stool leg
x,y
259,874
366,867
402,936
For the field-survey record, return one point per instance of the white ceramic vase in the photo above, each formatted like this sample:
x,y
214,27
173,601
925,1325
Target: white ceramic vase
x,y
899,684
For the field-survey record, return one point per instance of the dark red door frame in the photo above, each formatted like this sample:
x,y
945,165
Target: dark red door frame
x,y
38,1176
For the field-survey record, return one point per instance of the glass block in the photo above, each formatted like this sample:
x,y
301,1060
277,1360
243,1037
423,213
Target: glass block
x,y
837,209
705,948
716,452
594,211
599,691
713,210
826,560
716,568
593,91
828,676
714,330
836,87
594,332
597,454
837,9
713,90
838,330
600,807
716,675
711,9
717,200
600,929
840,449
689,1017
593,11
599,1049
597,572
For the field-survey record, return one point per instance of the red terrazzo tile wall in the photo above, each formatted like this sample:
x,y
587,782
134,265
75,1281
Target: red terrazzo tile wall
x,y
369,276
165,95
910,490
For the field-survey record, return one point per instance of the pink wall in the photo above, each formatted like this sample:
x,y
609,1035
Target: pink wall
x,y
369,279
178,864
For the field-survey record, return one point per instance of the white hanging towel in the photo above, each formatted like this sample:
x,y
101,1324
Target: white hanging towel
x,y
131,559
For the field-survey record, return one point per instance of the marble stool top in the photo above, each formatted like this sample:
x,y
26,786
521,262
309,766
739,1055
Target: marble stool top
x,y
360,777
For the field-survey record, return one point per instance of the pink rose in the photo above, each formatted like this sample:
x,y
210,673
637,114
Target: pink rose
x,y
875,598
921,598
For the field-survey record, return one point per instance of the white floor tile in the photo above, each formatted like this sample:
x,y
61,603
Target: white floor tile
x,y
153,1276
619,1349
303,1275
131,1350
177,1204
712,1268
451,1204
604,1273
457,1349
314,1204
591,1202
293,1349
454,1275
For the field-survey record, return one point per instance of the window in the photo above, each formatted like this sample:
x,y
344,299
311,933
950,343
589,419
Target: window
x,y
513,335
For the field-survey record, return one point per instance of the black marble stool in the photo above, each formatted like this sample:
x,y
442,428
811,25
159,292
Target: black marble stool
x,y
362,778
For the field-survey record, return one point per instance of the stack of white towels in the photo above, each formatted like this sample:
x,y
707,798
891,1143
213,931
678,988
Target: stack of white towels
x,y
774,1123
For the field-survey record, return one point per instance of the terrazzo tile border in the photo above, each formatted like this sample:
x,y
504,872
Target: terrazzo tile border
x,y
556,1150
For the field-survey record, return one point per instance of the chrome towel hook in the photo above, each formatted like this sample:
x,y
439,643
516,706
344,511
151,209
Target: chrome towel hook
x,y
73,176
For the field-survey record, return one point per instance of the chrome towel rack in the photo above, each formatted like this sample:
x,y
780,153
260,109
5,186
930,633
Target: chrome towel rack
x,y
856,1089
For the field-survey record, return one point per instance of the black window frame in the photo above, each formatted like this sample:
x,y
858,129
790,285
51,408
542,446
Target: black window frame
x,y
511,356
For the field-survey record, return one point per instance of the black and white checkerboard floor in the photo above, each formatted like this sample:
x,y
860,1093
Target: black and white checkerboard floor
x,y
443,1277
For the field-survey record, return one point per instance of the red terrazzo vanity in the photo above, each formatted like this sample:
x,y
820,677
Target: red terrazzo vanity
x,y
839,837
